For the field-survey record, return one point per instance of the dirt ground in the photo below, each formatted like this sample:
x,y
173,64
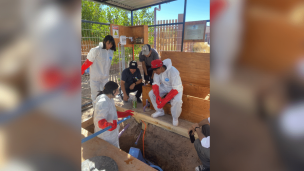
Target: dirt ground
x,y
170,151
165,149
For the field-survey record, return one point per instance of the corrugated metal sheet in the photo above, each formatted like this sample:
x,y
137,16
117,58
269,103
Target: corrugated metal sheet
x,y
133,4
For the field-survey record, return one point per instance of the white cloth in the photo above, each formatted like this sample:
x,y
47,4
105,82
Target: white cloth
x,y
167,81
95,87
291,121
170,78
206,140
100,69
105,109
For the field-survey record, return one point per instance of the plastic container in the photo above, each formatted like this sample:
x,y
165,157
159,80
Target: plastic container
x,y
134,102
87,71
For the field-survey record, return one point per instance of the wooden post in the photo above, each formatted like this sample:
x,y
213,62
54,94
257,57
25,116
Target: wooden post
x,y
171,36
167,35
175,35
179,34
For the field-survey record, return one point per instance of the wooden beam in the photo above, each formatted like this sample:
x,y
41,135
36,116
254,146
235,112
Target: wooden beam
x,y
193,67
196,90
87,122
99,147
164,122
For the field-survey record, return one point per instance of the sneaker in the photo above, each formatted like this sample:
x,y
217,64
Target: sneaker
x,y
157,114
138,100
175,122
202,168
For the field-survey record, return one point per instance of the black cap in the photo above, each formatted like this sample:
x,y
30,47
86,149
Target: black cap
x,y
133,65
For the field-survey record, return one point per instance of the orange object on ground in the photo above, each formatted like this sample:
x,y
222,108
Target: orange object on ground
x,y
144,139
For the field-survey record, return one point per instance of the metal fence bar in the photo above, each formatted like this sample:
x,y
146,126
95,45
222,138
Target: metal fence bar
x,y
94,22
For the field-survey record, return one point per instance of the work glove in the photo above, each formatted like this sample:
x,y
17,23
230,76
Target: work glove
x,y
125,114
85,66
168,97
104,123
155,88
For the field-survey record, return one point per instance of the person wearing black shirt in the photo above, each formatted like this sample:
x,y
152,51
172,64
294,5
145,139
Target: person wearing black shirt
x,y
131,81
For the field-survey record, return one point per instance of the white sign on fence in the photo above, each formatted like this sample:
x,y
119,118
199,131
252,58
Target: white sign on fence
x,y
194,32
115,32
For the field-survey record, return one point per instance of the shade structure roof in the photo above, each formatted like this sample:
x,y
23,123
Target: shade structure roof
x,y
132,5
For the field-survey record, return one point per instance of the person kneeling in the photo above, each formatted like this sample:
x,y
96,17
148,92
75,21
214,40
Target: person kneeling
x,y
202,144
106,114
131,81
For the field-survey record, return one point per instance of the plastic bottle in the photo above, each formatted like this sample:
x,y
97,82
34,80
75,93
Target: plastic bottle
x,y
134,102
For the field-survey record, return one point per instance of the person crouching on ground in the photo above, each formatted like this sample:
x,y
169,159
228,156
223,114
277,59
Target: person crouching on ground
x,y
166,81
131,81
202,144
106,114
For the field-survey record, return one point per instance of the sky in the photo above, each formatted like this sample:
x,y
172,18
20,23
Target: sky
x,y
196,10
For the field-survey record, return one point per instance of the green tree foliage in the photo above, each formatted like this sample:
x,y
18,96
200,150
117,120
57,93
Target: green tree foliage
x,y
93,11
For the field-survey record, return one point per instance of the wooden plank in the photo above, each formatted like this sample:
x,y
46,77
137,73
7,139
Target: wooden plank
x,y
87,122
176,33
179,32
99,147
164,122
167,37
194,109
170,36
193,67
196,90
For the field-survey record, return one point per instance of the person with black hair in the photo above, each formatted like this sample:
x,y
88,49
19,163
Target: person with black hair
x,y
106,114
99,60
202,144
146,56
131,81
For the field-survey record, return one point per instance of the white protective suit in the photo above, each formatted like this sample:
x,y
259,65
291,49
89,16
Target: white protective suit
x,y
100,69
167,81
105,109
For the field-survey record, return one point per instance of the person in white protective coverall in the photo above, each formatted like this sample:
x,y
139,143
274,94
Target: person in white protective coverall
x,y
106,114
166,81
99,60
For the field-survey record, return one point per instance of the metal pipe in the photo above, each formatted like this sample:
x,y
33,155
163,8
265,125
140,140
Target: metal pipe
x,y
123,130
94,22
146,105
86,104
138,137
164,24
158,9
103,130
131,18
185,6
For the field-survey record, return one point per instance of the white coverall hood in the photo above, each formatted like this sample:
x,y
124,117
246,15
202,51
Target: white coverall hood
x,y
170,78
105,109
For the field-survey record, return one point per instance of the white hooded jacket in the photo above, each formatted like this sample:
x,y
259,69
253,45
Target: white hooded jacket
x,y
101,59
169,79
105,109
